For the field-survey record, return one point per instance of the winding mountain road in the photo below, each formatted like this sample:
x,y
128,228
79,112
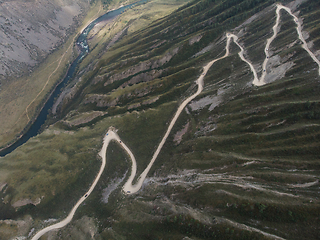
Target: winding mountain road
x,y
110,135
261,81
270,40
128,187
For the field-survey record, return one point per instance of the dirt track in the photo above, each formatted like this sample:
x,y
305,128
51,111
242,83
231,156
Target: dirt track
x,y
128,187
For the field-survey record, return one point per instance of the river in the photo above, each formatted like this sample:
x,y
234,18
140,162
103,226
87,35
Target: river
x,y
83,46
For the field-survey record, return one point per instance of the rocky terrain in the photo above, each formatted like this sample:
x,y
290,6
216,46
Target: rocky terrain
x,y
241,162
30,30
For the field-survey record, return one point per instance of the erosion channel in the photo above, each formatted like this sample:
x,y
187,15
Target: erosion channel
x,y
83,46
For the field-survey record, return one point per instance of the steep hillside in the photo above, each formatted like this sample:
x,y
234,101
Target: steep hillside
x,y
30,30
241,162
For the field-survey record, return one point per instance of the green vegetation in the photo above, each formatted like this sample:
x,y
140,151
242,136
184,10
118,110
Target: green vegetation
x,y
248,162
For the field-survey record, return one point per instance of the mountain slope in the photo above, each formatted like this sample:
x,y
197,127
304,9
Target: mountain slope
x,y
242,161
32,29
36,47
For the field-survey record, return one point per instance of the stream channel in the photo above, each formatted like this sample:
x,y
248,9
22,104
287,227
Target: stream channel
x,y
83,46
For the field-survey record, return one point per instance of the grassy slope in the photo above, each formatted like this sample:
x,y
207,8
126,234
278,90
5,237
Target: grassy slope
x,y
246,171
274,128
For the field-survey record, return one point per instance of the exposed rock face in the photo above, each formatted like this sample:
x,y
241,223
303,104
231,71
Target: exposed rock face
x,y
84,118
178,136
102,100
24,202
143,77
143,66
30,30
